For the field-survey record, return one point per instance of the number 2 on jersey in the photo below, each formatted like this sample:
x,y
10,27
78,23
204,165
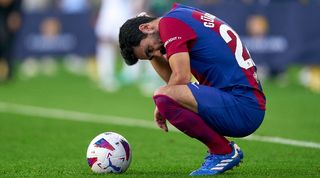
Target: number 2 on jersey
x,y
224,30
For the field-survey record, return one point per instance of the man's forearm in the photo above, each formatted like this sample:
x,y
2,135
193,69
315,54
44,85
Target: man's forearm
x,y
178,79
162,67
180,65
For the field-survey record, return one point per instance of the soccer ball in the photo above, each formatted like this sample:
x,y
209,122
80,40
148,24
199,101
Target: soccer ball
x,y
109,152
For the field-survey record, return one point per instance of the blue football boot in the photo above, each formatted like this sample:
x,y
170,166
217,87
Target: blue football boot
x,y
217,164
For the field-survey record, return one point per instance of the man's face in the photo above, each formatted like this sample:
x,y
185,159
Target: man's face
x,y
149,47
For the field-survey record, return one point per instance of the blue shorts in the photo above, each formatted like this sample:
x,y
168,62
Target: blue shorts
x,y
225,113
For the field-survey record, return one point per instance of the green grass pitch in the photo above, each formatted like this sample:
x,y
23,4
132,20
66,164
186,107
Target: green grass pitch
x,y
37,146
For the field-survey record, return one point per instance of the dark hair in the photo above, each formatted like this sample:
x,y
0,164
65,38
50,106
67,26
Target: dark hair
x,y
130,36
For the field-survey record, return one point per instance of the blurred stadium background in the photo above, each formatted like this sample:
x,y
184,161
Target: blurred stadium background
x,y
49,69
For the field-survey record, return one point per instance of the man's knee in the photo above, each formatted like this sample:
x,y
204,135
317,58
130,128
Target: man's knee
x,y
161,96
161,91
166,106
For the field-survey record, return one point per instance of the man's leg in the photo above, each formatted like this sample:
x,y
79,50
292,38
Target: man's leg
x,y
183,117
178,105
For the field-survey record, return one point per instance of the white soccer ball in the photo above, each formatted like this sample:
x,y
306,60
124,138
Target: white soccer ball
x,y
109,152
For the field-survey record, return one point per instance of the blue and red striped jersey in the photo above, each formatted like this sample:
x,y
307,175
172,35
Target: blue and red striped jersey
x,y
218,58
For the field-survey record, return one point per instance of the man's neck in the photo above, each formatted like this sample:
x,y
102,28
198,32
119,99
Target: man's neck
x,y
155,23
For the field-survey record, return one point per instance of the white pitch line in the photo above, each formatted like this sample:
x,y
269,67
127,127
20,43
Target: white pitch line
x,y
284,141
87,117
71,115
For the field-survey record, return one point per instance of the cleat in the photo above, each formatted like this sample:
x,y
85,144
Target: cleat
x,y
238,149
217,164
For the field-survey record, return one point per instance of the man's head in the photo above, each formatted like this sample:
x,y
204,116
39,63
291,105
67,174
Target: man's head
x,y
139,39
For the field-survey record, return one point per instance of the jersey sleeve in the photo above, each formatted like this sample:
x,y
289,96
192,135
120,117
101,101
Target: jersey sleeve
x,y
176,35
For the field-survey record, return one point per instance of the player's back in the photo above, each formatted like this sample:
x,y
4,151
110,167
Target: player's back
x,y
217,56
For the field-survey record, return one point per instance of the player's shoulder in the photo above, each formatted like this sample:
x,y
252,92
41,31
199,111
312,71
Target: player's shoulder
x,y
179,11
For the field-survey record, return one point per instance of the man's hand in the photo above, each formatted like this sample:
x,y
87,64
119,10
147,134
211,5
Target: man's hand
x,y
161,121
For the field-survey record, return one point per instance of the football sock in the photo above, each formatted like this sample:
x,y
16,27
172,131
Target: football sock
x,y
191,124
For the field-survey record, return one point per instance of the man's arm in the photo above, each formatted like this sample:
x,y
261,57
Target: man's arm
x,y
180,74
180,66
162,67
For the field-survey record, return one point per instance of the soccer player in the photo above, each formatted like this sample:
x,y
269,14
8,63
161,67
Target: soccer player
x,y
227,101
